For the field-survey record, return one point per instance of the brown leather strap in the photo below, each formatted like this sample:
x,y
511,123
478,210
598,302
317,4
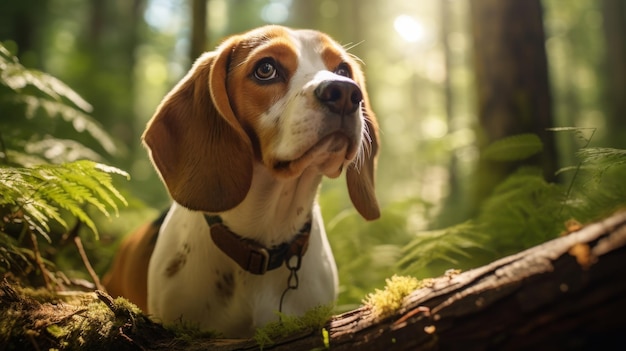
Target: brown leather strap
x,y
252,256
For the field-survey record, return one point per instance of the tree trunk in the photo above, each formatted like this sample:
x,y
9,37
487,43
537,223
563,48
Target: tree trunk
x,y
614,15
19,23
198,28
512,83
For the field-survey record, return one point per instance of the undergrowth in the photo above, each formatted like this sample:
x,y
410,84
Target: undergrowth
x,y
524,210
47,187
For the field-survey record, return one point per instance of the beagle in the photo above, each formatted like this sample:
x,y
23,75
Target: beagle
x,y
242,143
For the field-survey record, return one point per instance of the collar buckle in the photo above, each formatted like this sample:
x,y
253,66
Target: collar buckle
x,y
258,261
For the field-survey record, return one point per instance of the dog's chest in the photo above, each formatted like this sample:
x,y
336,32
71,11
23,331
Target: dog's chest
x,y
196,282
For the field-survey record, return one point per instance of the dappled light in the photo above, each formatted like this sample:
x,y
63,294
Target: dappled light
x,y
409,29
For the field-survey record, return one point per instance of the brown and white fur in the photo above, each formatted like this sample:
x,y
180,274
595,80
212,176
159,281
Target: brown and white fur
x,y
248,134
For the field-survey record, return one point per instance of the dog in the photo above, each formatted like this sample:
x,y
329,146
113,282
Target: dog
x,y
242,144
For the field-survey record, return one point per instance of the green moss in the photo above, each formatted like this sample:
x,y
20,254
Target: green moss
x,y
386,302
78,321
314,319
326,337
188,332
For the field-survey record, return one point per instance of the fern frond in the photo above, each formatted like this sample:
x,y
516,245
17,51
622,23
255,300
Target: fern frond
x,y
39,192
17,77
513,148
80,121
22,159
603,156
600,188
573,169
523,210
37,91
446,244
56,150
584,134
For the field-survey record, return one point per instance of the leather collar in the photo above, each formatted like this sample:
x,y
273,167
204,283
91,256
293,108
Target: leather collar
x,y
252,256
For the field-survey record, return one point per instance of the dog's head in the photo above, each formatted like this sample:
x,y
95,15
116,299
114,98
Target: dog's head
x,y
292,100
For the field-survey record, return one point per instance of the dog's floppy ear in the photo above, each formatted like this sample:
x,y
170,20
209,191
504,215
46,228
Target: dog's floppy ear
x,y
360,173
195,141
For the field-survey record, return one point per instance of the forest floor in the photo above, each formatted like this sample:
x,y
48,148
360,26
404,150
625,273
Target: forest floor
x,y
566,294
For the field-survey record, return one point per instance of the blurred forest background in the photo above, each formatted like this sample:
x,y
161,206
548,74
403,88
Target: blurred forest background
x,y
447,79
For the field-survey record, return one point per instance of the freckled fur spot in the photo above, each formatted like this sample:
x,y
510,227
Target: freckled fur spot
x,y
176,264
226,285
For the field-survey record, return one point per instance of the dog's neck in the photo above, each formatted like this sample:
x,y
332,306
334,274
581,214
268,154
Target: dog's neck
x,y
275,209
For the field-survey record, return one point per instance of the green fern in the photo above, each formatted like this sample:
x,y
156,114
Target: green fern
x,y
33,94
522,211
602,157
525,210
17,77
513,148
599,187
583,134
449,245
36,197
37,194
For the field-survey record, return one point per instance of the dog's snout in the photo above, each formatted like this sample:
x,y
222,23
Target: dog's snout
x,y
339,96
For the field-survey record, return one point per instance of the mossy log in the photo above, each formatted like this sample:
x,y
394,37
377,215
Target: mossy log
x,y
569,293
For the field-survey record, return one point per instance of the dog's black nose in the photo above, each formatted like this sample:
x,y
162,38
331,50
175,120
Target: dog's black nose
x,y
340,96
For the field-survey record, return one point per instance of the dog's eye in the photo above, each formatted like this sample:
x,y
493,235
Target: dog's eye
x,y
265,71
343,70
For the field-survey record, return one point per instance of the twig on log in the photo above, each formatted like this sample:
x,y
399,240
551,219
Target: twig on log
x,y
83,256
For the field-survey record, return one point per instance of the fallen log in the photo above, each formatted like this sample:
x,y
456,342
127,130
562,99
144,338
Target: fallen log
x,y
568,293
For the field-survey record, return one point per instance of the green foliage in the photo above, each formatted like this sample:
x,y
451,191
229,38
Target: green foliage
x,y
450,245
365,252
30,198
31,101
602,158
513,148
598,187
35,194
524,210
